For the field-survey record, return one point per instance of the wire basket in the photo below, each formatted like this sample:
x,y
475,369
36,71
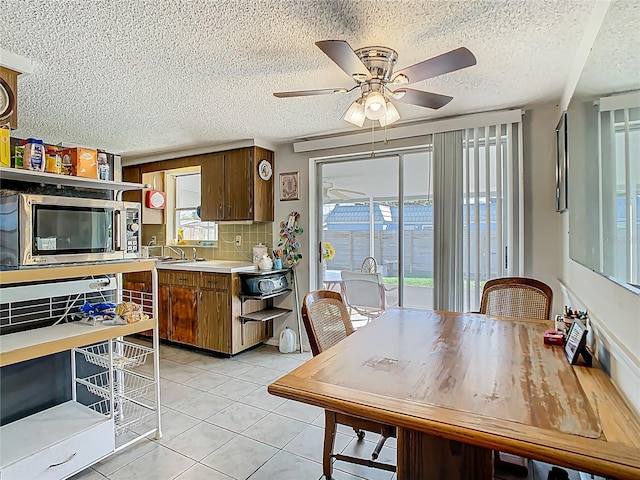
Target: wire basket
x,y
144,299
125,354
127,415
125,384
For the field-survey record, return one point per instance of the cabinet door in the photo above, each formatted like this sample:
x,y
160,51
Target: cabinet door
x,y
238,175
164,309
184,315
212,177
214,321
132,174
263,189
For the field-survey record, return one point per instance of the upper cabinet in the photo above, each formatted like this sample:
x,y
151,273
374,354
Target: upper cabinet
x,y
236,185
232,187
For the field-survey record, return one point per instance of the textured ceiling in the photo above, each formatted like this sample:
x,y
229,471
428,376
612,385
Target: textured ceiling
x,y
614,62
136,76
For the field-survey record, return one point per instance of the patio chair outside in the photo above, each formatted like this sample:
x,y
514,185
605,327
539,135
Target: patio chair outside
x,y
364,293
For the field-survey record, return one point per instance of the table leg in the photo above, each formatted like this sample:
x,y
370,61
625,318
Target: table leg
x,y
427,457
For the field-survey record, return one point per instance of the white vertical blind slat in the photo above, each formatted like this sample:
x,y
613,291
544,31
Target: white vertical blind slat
x,y
487,196
500,243
630,202
476,209
467,232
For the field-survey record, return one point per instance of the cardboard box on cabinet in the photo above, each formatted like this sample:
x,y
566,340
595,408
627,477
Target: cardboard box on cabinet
x,y
84,161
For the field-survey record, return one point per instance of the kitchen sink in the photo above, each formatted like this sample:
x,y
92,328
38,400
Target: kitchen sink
x,y
171,260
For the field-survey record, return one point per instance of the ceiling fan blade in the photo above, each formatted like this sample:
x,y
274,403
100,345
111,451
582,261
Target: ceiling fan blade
x,y
445,63
420,98
343,55
306,93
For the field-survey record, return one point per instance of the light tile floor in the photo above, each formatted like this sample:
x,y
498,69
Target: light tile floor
x,y
220,423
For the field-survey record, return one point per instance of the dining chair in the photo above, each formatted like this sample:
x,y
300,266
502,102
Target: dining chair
x,y
364,293
328,322
517,297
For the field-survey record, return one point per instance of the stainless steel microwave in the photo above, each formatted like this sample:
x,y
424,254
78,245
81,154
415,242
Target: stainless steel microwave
x,y
45,230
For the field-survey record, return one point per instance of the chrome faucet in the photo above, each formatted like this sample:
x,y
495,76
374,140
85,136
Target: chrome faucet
x,y
195,253
178,251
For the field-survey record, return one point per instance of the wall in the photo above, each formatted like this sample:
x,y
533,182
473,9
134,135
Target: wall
x,y
252,234
542,225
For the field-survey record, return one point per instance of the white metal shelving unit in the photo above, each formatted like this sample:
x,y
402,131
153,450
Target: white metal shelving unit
x,y
67,438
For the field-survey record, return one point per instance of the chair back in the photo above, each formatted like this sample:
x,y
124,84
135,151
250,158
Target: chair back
x,y
369,265
517,297
363,289
326,319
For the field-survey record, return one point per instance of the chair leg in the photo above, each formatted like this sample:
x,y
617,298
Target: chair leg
x,y
359,433
329,441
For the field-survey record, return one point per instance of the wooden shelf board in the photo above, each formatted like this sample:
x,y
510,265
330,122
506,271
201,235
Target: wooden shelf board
x,y
266,314
39,342
39,274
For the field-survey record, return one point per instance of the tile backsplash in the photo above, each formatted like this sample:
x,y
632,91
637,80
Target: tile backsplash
x,y
251,234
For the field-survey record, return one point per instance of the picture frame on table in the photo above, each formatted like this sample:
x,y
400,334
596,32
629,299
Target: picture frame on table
x,y
576,343
562,180
290,186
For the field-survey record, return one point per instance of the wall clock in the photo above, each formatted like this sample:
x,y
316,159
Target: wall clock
x,y
265,170
7,100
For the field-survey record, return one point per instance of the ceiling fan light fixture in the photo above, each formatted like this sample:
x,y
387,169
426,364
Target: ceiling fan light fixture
x,y
355,114
375,106
391,116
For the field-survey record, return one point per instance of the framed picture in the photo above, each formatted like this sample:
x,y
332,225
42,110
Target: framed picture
x,y
289,186
576,341
562,181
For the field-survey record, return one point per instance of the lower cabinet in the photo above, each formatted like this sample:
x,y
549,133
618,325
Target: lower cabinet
x,y
204,309
214,313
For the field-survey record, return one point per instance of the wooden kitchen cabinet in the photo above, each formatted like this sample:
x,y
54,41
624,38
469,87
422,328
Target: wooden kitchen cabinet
x,y
232,189
204,310
184,314
214,312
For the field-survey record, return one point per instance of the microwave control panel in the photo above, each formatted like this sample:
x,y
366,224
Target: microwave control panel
x,y
132,232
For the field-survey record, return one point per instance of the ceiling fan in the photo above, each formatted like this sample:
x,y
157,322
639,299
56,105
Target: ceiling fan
x,y
329,192
372,70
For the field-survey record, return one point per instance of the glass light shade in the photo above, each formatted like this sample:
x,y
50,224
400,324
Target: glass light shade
x,y
375,107
391,116
355,114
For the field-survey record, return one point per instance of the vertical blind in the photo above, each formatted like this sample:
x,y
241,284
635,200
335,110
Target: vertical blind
x,y
619,187
492,206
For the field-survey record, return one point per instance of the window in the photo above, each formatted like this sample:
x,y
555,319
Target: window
x,y
187,223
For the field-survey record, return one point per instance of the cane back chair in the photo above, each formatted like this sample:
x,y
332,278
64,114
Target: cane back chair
x,y
327,322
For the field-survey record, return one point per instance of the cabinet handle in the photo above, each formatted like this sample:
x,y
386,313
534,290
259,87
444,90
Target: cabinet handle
x,y
200,297
229,211
212,282
63,462
182,279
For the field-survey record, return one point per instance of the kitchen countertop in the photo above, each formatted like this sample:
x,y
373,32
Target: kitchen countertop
x,y
213,266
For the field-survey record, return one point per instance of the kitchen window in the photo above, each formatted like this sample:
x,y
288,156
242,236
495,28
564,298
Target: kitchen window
x,y
187,223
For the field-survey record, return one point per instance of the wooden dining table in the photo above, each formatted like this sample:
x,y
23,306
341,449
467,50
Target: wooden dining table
x,y
459,386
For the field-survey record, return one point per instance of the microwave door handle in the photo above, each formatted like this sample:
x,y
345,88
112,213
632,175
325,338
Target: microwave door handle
x,y
117,241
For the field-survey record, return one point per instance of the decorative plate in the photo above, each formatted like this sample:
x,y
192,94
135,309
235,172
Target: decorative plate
x,y
7,100
264,170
